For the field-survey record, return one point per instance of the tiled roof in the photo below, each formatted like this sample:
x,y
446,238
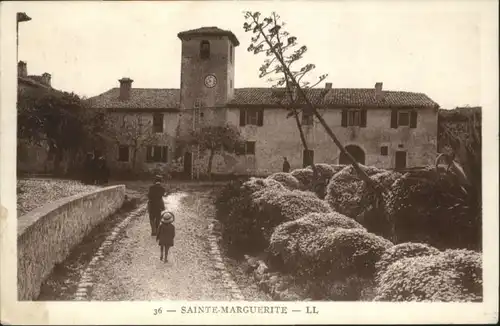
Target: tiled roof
x,y
158,98
140,98
209,31
33,81
333,97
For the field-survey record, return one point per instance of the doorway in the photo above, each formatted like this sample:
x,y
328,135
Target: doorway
x,y
400,159
356,152
188,164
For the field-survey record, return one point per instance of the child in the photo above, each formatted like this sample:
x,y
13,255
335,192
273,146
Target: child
x,y
166,234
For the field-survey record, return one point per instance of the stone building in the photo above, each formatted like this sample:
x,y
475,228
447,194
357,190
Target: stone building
x,y
32,158
389,129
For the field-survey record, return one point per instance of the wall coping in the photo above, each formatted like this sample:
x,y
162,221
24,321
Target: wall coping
x,y
27,220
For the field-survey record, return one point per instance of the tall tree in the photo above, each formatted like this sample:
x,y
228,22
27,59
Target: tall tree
x,y
283,52
214,138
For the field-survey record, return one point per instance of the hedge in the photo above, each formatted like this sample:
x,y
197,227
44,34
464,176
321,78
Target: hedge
x,y
451,276
286,179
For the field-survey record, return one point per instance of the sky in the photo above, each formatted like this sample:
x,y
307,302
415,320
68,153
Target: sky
x,y
423,46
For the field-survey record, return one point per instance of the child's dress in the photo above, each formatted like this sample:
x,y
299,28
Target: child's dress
x,y
166,234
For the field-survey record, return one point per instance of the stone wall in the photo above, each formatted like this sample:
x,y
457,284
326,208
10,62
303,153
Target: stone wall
x,y
45,236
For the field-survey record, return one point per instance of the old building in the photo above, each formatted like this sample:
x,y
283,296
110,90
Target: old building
x,y
389,129
32,158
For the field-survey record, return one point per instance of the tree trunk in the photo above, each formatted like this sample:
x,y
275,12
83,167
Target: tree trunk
x,y
210,160
304,143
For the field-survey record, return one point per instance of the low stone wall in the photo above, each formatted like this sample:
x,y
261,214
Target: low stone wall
x,y
46,235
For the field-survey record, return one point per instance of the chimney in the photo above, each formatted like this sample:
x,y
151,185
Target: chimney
x,y
46,78
125,87
22,69
328,85
378,91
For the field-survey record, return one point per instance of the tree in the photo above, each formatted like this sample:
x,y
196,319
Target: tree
x,y
283,52
130,129
214,138
61,120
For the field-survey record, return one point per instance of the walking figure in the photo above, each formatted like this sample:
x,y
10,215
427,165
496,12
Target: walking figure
x,y
166,234
155,203
286,165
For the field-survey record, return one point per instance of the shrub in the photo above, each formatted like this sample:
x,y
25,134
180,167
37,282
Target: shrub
x,y
277,206
287,236
451,276
431,208
339,252
348,194
325,173
237,213
305,177
286,179
403,250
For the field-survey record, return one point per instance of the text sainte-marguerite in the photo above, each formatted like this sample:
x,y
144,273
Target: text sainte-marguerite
x,y
271,309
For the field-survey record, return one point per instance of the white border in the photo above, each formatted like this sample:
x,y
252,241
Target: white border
x,y
14,312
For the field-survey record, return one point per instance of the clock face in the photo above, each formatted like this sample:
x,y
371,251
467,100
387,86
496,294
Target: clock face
x,y
210,81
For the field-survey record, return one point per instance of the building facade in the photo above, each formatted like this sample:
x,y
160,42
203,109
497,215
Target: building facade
x,y
387,129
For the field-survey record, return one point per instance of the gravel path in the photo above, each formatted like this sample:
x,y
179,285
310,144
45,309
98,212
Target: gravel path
x,y
133,270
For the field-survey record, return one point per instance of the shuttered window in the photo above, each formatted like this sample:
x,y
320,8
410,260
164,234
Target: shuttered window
x,y
404,118
246,148
157,122
156,154
253,117
353,117
307,157
123,153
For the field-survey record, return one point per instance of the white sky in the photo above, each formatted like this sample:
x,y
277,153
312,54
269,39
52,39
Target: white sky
x,y
424,46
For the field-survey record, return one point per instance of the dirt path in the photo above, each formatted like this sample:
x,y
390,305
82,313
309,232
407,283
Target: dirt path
x,y
133,270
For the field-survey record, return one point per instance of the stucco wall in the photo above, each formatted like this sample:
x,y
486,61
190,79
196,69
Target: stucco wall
x,y
279,137
46,235
167,138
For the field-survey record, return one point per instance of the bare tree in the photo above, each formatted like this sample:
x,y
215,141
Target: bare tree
x,y
131,130
283,52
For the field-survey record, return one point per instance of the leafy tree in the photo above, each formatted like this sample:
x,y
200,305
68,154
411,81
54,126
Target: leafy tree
x,y
61,120
214,138
283,52
130,129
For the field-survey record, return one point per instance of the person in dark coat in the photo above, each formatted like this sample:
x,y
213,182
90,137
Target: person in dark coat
x,y
155,203
166,234
102,171
286,165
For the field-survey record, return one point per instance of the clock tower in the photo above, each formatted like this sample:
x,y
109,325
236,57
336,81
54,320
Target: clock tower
x,y
207,73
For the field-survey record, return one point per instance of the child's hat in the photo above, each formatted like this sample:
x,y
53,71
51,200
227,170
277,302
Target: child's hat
x,y
167,217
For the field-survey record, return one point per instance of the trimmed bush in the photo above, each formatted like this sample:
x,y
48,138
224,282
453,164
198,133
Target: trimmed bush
x,y
287,236
434,209
278,206
238,214
339,252
286,179
403,250
451,276
305,177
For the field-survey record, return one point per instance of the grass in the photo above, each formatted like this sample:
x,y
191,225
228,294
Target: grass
x,y
34,193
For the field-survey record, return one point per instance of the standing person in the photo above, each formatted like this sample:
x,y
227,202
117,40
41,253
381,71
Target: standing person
x,y
155,203
286,165
103,172
166,234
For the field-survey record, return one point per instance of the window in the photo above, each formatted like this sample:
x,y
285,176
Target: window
x,y
252,117
307,157
156,154
384,150
307,118
354,117
230,83
123,153
205,49
157,122
403,119
231,53
247,148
